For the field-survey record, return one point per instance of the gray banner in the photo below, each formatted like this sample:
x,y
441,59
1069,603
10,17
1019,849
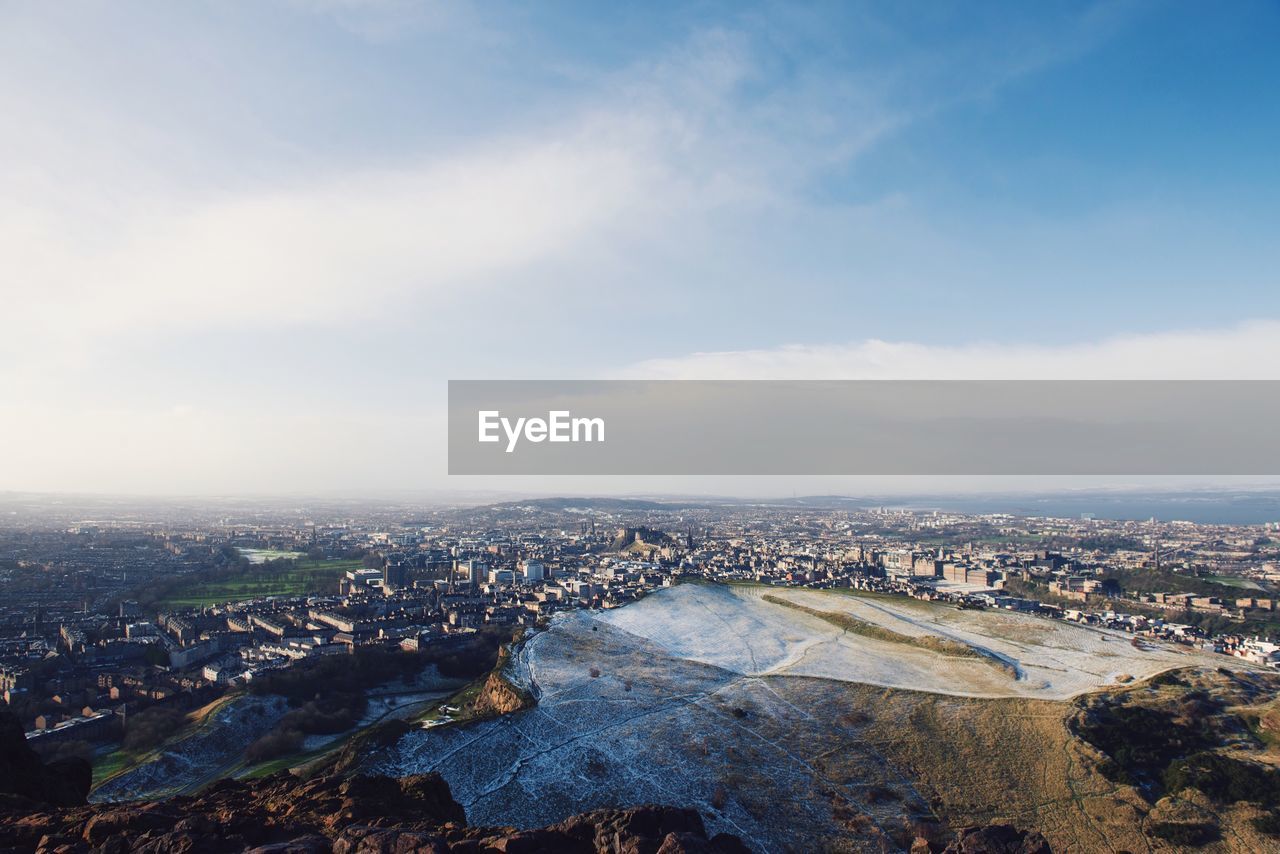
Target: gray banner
x,y
942,427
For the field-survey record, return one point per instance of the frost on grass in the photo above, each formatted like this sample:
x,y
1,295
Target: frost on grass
x,y
650,728
735,628
705,696
215,744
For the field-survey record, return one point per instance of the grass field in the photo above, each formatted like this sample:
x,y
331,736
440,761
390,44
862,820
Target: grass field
x,y
309,577
108,765
284,763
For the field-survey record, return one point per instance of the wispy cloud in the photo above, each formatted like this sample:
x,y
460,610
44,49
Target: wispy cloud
x,y
336,248
139,202
651,149
660,143
1248,351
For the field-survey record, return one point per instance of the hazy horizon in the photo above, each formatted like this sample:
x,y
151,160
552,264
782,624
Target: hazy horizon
x,y
1243,503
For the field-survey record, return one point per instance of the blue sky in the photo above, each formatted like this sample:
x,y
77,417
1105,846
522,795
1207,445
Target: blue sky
x,y
236,238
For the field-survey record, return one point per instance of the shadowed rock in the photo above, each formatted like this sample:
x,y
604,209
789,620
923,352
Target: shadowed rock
x,y
65,782
991,839
282,814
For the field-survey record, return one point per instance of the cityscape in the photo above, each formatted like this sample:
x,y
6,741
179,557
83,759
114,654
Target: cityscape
x,y
171,644
716,427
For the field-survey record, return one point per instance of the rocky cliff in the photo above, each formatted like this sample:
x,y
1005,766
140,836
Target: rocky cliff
x,y
285,815
500,697
23,774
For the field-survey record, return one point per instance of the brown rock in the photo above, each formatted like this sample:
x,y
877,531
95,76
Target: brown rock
x,y
684,843
500,697
126,822
998,839
641,828
373,840
282,814
312,844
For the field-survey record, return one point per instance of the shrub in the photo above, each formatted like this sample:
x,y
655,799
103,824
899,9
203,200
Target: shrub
x,y
719,797
1140,742
277,743
65,750
1268,825
1224,779
371,666
1169,677
326,716
150,727
882,795
1193,834
329,695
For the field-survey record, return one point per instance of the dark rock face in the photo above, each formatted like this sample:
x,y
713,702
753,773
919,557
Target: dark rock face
x,y
992,839
22,773
43,808
283,814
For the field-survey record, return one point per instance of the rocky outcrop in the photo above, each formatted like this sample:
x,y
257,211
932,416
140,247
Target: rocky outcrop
x,y
23,774
991,839
283,814
500,697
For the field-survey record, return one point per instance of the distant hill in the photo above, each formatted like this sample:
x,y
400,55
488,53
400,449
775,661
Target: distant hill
x,y
611,505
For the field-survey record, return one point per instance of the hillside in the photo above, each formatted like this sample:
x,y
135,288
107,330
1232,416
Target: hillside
x,y
711,697
284,814
818,722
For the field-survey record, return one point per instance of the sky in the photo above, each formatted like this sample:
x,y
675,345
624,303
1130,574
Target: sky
x,y
243,246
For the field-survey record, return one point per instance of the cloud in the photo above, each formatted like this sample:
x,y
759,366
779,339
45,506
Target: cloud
x,y
150,205
336,248
647,154
130,252
1247,351
205,451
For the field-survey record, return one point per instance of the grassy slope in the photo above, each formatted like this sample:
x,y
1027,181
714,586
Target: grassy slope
x,y
115,762
1015,760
